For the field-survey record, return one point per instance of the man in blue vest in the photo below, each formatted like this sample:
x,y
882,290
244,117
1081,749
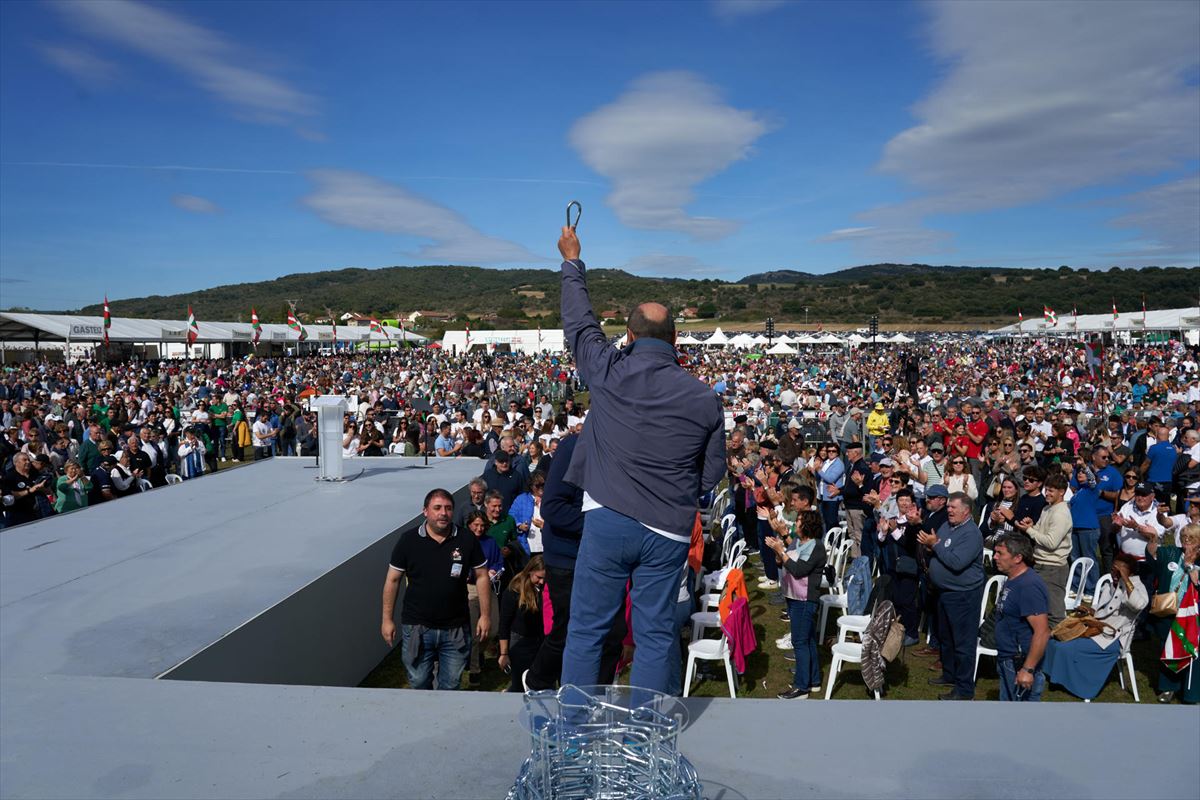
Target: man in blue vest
x,y
653,443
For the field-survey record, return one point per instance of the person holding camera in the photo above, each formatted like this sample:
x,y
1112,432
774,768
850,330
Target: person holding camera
x,y
23,484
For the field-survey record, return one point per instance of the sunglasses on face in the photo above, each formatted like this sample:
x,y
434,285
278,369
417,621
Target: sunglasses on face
x,y
960,463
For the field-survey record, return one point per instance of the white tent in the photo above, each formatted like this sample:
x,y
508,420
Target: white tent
x,y
517,341
806,339
829,338
855,339
686,338
742,340
1162,319
717,338
782,349
900,338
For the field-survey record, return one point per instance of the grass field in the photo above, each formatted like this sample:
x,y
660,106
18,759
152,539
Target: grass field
x,y
907,676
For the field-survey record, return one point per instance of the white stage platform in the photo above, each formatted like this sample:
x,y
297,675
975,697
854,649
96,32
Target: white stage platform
x,y
256,592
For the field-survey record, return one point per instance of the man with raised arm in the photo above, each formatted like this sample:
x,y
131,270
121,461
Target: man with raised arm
x,y
654,441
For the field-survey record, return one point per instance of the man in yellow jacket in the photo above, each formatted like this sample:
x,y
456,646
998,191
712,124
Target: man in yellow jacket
x,y
878,424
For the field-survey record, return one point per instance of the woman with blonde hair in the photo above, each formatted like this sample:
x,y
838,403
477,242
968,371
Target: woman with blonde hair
x,y
521,626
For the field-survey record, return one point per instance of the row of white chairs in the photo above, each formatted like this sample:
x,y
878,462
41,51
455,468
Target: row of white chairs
x,y
172,480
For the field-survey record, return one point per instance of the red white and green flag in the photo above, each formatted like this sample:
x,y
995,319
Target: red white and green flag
x,y
295,325
1020,318
1143,311
107,320
333,321
193,327
1179,651
254,323
1115,314
468,337
1050,316
378,328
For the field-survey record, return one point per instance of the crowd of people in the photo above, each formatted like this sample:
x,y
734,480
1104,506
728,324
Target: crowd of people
x,y
1038,451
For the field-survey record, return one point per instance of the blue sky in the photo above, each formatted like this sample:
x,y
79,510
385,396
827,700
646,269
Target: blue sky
x,y
152,148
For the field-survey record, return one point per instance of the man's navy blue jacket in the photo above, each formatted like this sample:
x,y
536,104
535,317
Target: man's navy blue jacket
x,y
654,439
562,513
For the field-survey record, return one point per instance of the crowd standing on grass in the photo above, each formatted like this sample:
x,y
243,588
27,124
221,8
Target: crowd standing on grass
x,y
1027,451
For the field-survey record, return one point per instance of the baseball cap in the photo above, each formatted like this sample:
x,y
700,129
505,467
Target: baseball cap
x,y
886,462
1143,490
937,491
937,446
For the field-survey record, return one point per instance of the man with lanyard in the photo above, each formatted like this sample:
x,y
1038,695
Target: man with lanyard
x,y
1022,622
654,442
955,556
438,560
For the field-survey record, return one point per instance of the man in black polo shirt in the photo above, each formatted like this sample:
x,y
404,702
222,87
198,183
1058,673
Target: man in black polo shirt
x,y
438,559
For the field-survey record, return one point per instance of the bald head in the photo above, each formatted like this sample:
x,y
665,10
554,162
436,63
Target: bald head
x,y
652,321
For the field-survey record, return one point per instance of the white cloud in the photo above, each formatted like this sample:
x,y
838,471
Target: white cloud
x,y
735,9
1044,98
669,132
896,239
81,64
1169,215
210,61
669,265
354,200
194,204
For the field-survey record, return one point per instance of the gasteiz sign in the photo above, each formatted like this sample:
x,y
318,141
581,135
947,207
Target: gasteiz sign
x,y
87,330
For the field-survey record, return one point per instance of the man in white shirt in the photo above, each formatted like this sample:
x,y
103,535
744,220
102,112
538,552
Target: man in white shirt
x,y
1137,522
1041,427
263,434
478,416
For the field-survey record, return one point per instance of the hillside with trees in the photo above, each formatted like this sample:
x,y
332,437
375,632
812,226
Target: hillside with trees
x,y
498,298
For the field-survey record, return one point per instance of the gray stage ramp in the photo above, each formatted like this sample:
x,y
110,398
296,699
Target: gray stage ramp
x,y
256,592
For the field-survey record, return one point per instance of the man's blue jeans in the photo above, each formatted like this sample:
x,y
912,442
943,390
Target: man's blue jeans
x,y
1086,542
802,615
449,647
614,549
1009,690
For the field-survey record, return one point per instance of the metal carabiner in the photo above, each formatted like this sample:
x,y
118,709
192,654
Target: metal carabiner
x,y
577,205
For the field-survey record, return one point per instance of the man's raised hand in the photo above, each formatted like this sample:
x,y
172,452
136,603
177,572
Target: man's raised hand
x,y
568,244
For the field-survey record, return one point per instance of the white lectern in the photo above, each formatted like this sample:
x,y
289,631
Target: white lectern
x,y
331,415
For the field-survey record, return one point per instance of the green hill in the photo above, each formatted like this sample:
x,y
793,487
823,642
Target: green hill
x,y
894,291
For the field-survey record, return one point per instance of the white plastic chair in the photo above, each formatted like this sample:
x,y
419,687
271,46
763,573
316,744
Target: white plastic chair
x,y
845,652
837,597
736,553
833,538
989,557
994,583
173,479
709,650
1072,597
145,485
712,619
1125,660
